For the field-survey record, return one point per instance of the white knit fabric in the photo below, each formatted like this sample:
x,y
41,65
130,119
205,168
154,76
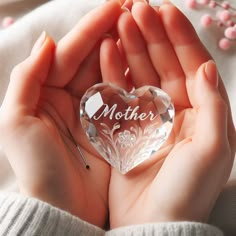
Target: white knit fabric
x,y
29,217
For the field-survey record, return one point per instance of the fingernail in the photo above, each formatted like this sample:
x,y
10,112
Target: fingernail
x,y
212,73
38,44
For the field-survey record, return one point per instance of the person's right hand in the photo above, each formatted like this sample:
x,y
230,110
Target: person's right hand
x,y
182,180
42,103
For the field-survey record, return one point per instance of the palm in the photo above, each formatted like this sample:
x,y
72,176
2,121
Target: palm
x,y
86,189
145,180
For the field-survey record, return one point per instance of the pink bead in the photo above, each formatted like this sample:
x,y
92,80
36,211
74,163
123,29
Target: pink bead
x,y
206,20
191,4
230,33
7,21
212,4
224,44
230,23
220,24
225,15
225,5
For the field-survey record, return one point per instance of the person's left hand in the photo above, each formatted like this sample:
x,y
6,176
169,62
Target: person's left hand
x,y
42,103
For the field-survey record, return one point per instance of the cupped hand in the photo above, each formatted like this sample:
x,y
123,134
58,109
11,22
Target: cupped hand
x,y
182,180
41,108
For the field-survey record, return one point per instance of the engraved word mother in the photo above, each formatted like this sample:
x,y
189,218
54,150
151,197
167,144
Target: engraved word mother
x,y
128,114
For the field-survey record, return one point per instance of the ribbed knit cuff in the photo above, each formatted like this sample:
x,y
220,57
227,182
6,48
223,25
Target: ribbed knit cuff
x,y
167,229
24,216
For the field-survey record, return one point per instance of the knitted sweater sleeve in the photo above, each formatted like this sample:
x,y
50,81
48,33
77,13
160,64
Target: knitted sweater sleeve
x,y
24,216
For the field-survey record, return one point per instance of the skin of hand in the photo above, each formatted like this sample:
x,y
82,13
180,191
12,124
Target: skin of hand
x,y
182,180
42,103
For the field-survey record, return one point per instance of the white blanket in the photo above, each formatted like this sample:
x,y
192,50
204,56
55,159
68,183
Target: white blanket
x,y
57,18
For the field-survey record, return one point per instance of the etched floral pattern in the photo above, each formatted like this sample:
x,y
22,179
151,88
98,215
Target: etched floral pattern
x,y
126,139
129,148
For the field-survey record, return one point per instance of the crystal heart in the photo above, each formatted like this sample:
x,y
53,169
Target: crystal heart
x,y
126,128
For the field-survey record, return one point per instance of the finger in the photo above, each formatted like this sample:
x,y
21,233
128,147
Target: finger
x,y
88,74
189,49
141,69
187,45
111,64
28,77
122,53
161,52
212,110
231,127
126,6
130,85
78,43
127,3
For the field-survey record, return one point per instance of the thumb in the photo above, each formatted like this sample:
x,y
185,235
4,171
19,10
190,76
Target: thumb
x,y
28,77
211,124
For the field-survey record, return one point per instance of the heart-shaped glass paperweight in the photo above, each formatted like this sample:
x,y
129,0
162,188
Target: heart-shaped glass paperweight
x,y
126,128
